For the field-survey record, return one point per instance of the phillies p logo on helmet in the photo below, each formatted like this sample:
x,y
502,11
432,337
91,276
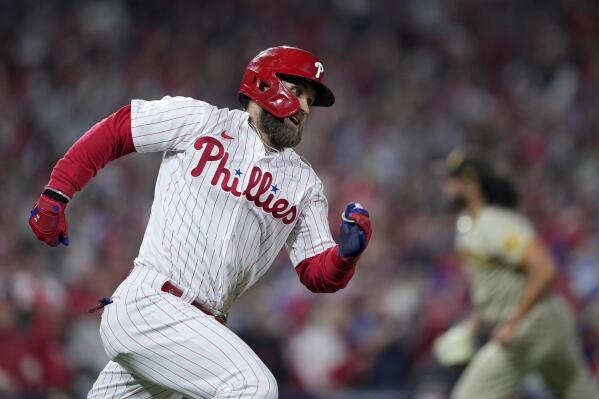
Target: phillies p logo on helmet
x,y
319,68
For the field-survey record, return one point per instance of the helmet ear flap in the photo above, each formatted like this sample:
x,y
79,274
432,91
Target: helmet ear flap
x,y
263,86
270,93
260,85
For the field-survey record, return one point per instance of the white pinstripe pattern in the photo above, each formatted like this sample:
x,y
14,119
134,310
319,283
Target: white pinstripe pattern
x,y
122,384
209,241
213,233
158,339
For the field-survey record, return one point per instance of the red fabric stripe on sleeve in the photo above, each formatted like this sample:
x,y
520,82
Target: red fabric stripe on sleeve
x,y
106,141
326,271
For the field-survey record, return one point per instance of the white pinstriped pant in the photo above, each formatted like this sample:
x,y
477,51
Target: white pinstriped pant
x,y
163,347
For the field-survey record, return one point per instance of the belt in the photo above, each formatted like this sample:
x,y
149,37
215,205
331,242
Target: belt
x,y
172,289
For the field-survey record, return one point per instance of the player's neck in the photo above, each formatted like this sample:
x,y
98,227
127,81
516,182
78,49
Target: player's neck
x,y
475,205
263,137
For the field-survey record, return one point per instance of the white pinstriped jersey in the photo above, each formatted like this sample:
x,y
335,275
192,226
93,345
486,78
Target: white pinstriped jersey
x,y
223,206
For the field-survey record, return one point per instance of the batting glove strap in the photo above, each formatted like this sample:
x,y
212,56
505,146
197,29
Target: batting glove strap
x,y
48,222
355,231
56,195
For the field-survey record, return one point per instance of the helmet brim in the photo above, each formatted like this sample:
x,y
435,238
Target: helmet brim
x,y
324,95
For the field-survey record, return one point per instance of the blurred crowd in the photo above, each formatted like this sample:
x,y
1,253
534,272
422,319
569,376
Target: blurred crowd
x,y
515,82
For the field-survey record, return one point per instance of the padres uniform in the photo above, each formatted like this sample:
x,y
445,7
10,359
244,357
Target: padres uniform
x,y
492,246
223,208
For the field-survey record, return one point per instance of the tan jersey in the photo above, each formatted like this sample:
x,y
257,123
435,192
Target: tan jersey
x,y
491,247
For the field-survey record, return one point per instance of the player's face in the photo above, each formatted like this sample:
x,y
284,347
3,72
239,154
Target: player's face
x,y
455,192
306,95
287,132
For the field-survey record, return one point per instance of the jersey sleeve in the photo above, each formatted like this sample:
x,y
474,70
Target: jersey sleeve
x,y
311,234
509,236
168,124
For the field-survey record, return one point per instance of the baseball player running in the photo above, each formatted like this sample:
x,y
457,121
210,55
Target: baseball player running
x,y
510,273
230,193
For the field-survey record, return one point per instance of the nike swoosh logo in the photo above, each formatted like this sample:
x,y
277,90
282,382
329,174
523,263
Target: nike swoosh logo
x,y
225,135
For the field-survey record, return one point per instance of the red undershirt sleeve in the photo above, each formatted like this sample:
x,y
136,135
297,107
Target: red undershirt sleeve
x,y
106,141
326,271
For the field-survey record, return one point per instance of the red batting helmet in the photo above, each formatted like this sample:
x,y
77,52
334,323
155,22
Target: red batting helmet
x,y
262,80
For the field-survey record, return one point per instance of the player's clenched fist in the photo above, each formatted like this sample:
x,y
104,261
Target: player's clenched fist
x,y
355,230
48,221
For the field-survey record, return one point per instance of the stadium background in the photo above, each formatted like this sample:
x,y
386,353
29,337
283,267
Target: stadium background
x,y
514,81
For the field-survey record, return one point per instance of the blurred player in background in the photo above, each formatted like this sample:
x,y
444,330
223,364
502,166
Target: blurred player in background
x,y
510,272
230,193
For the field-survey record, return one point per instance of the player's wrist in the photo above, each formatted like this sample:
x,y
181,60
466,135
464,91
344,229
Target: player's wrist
x,y
64,185
346,260
56,195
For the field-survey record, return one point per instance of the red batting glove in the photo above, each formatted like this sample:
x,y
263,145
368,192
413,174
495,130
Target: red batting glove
x,y
48,221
